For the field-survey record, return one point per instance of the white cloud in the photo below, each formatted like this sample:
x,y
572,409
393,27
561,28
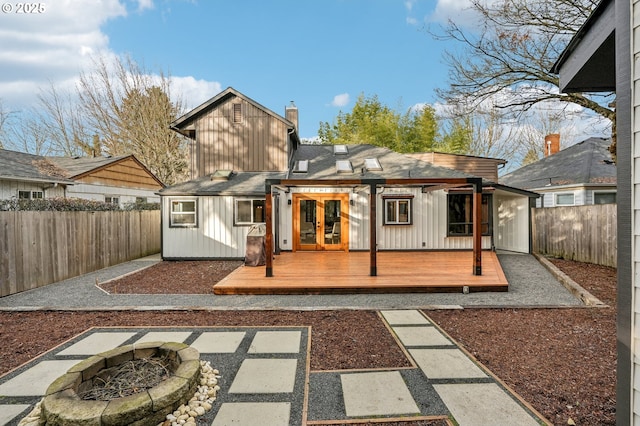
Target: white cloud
x,y
340,100
52,46
456,11
144,4
194,92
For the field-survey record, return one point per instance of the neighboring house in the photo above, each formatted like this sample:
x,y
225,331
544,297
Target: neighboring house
x,y
321,193
603,57
115,180
578,175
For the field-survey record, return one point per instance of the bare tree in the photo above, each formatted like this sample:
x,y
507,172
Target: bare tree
x,y
64,124
509,56
130,109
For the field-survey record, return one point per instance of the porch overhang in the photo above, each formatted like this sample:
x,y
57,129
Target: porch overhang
x,y
374,184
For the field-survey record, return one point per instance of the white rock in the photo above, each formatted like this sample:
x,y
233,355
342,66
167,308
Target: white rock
x,y
206,406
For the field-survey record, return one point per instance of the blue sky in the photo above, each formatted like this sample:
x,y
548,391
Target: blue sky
x,y
321,54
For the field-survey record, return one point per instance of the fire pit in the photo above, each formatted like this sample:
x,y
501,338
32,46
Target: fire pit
x,y
63,404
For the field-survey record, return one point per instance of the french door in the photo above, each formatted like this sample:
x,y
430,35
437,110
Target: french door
x,y
320,221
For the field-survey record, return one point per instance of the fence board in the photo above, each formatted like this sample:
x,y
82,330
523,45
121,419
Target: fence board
x,y
39,248
582,233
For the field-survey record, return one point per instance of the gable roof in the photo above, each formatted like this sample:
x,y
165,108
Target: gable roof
x,y
22,166
181,123
588,162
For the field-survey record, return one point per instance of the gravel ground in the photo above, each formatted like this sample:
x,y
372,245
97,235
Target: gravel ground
x,y
560,360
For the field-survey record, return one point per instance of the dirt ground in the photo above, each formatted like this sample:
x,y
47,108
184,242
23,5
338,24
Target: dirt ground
x,y
561,361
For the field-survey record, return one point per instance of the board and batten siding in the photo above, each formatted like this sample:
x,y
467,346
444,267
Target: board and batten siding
x,y
9,189
214,237
635,206
429,228
258,142
511,223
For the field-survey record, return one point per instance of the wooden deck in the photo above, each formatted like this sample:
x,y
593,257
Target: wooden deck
x,y
348,272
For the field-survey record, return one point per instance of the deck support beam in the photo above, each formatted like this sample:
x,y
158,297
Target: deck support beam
x,y
373,238
268,241
477,226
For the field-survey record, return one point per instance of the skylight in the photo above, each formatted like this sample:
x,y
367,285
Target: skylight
x,y
301,166
340,149
372,164
221,174
344,166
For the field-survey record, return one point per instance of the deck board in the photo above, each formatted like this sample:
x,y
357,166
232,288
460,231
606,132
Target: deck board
x,y
348,272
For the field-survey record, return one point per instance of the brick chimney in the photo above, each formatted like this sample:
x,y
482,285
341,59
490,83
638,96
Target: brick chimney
x,y
551,144
291,114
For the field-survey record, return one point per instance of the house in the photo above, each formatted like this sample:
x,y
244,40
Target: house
x,y
581,174
602,57
250,168
116,180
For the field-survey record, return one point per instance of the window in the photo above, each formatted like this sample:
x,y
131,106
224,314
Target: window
x,y
397,210
604,198
460,215
112,200
301,166
248,212
565,199
237,113
28,195
372,164
183,214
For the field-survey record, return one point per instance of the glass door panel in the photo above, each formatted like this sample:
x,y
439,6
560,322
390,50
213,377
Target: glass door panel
x,y
308,214
332,222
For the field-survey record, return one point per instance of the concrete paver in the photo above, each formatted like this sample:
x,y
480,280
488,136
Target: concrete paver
x,y
377,394
446,364
483,404
405,317
218,342
9,412
253,414
265,376
97,343
37,379
421,336
164,336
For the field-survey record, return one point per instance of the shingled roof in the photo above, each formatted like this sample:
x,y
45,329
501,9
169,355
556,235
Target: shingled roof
x,y
588,162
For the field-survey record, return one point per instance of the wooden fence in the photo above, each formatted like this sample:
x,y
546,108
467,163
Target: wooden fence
x,y
41,247
582,233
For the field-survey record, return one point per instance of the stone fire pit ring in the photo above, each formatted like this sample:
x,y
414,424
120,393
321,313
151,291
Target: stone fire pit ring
x,y
62,405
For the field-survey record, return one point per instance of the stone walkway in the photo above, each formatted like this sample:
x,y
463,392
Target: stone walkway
x,y
265,371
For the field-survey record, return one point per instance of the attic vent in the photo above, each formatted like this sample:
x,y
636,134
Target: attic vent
x,y
340,149
301,166
221,174
372,164
237,113
344,166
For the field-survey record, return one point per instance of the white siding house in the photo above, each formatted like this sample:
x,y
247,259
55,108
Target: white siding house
x,y
603,57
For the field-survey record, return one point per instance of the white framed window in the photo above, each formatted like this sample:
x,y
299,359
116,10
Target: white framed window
x,y
604,197
397,210
30,195
112,200
565,199
249,211
183,214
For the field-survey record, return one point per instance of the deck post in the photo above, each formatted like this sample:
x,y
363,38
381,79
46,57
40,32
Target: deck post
x,y
477,226
268,245
373,261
